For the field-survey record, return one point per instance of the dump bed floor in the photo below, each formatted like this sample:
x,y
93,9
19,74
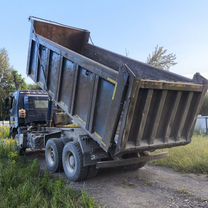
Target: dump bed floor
x,y
141,70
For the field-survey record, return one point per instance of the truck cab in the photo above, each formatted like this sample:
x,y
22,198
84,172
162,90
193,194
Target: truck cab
x,y
28,107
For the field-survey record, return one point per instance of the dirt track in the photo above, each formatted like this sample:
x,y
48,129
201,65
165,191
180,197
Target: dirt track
x,y
148,187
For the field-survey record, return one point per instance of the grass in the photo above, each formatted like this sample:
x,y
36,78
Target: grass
x,y
23,184
4,132
192,158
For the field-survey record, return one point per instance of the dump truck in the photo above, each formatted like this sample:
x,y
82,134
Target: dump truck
x,y
122,109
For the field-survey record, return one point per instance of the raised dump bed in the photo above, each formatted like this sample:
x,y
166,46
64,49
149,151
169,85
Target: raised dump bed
x,y
122,104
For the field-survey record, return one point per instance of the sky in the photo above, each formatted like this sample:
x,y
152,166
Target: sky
x,y
135,26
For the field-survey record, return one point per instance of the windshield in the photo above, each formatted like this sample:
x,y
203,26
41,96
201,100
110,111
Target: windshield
x,y
41,104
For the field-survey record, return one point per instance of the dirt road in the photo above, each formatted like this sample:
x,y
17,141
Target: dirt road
x,y
148,187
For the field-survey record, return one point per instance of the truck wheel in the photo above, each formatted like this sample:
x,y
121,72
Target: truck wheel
x,y
72,160
53,155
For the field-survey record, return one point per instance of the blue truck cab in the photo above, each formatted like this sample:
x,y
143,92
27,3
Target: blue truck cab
x,y
34,104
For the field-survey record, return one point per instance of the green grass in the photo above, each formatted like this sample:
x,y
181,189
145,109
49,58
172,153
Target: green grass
x,y
23,184
192,158
4,132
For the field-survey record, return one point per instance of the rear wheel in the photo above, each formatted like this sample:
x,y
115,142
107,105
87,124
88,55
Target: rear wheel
x,y
53,155
72,160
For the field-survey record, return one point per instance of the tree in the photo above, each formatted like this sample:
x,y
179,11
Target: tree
x,y
4,79
161,59
17,80
10,80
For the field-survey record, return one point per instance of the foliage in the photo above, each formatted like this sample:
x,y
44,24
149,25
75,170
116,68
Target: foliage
x,y
33,87
4,132
18,81
10,80
204,109
161,59
4,78
23,184
191,158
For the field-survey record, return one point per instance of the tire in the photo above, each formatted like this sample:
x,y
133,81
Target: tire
x,y
72,160
53,155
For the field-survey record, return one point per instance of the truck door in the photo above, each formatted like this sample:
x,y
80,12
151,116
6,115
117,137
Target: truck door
x,y
14,112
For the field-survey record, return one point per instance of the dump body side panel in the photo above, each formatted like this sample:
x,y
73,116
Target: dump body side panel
x,y
86,90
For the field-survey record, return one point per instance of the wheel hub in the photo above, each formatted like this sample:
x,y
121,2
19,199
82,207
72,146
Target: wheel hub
x,y
51,156
72,161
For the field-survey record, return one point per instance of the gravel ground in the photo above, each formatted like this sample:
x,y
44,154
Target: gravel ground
x,y
147,187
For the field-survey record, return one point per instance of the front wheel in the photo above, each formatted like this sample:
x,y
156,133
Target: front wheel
x,y
53,155
72,160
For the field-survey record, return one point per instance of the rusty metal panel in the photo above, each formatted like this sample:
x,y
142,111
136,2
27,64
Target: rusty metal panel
x,y
68,37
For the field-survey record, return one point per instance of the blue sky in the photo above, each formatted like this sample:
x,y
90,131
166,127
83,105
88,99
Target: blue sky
x,y
118,25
